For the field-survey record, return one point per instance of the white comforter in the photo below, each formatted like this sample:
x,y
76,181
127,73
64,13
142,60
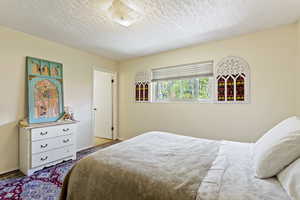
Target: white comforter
x,y
232,177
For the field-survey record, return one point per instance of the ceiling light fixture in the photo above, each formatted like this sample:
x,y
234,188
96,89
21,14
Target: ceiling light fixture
x,y
120,11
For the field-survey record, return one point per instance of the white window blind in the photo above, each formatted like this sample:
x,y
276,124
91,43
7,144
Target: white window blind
x,y
183,71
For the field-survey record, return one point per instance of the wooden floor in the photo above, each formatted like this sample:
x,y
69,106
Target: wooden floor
x,y
100,141
12,174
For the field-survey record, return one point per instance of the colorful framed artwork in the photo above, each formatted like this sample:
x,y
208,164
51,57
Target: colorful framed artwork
x,y
45,90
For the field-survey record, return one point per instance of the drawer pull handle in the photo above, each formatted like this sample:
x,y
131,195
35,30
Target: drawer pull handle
x,y
44,133
44,146
66,129
45,158
66,141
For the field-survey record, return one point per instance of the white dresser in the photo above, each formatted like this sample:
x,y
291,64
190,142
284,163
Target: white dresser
x,y
43,145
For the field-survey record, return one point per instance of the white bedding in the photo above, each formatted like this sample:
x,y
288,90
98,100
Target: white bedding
x,y
233,175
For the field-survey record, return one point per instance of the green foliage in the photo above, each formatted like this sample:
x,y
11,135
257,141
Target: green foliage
x,y
163,91
175,89
185,89
203,88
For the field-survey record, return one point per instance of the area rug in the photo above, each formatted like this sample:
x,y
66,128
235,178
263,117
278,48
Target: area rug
x,y
42,185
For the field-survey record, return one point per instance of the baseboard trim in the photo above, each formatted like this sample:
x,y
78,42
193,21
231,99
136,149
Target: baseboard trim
x,y
4,173
92,146
84,148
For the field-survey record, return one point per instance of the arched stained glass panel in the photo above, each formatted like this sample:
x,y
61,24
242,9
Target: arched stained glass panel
x,y
221,89
137,92
236,73
146,92
142,85
142,92
240,88
230,89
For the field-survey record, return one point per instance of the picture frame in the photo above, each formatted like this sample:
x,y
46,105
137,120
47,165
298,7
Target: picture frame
x,y
45,90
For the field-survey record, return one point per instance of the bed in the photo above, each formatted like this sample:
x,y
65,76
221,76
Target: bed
x,y
164,166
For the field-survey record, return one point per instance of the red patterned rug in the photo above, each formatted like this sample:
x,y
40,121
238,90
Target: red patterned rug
x,y
42,185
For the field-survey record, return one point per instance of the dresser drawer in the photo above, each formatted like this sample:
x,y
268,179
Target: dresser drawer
x,y
49,132
51,156
51,143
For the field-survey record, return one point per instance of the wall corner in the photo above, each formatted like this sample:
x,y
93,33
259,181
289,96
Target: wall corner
x,y
298,68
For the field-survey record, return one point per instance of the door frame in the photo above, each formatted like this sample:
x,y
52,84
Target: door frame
x,y
115,132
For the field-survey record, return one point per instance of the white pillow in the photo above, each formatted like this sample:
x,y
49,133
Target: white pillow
x,y
290,179
277,148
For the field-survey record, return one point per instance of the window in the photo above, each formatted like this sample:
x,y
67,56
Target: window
x,y
142,85
192,82
141,91
233,80
194,89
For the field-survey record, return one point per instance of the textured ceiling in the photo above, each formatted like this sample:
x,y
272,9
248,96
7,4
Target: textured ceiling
x,y
166,24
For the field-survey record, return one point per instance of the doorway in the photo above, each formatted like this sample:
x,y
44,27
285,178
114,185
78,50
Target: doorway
x,y
103,106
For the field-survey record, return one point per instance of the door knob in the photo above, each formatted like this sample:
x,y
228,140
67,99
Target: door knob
x,y
95,109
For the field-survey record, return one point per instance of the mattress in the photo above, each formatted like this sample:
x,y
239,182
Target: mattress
x,y
164,166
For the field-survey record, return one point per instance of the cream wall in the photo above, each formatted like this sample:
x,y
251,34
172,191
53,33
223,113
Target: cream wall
x,y
272,58
298,68
15,46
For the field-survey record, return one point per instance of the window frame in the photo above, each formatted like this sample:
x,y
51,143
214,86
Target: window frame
x,y
153,89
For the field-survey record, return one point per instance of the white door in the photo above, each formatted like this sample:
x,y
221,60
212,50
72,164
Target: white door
x,y
103,104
